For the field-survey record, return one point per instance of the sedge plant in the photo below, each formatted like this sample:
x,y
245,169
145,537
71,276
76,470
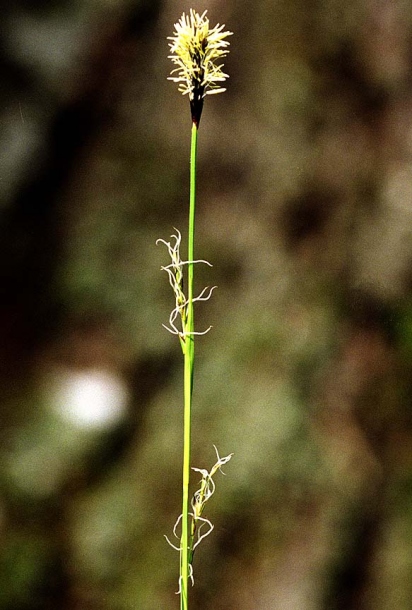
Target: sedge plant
x,y
196,52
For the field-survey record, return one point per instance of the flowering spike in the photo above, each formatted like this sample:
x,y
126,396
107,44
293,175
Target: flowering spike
x,y
195,50
175,272
200,526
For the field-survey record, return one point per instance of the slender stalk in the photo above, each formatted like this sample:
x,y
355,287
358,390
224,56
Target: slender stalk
x,y
189,353
196,52
191,236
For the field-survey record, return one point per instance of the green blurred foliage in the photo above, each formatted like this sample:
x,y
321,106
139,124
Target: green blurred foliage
x,y
304,212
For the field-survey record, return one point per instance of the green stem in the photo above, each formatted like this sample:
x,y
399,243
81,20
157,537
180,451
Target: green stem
x,y
189,354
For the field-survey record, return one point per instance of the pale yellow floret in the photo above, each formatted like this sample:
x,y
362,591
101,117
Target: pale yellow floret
x,y
195,49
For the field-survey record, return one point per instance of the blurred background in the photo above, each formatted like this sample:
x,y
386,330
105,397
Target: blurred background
x,y
304,209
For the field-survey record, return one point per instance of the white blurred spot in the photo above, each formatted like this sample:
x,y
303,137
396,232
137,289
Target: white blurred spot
x,y
93,399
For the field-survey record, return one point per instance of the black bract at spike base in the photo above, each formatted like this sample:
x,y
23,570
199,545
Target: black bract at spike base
x,y
196,104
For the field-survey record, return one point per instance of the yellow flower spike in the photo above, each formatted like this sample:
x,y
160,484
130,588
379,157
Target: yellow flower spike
x,y
195,49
